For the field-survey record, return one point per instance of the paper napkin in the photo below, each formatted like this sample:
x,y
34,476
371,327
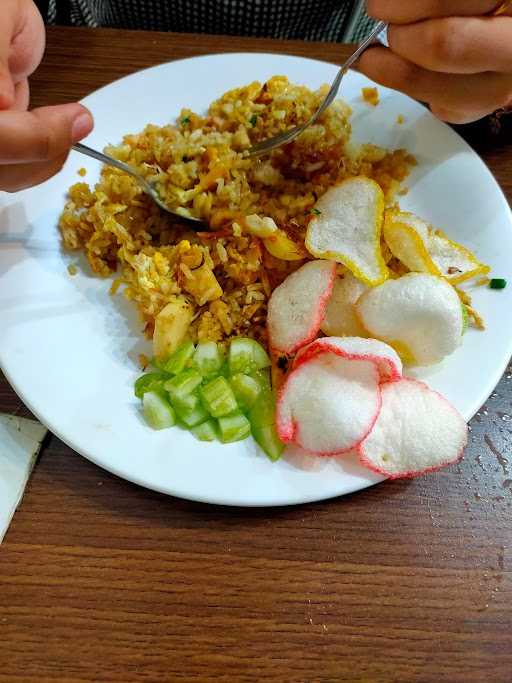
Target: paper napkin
x,y
20,441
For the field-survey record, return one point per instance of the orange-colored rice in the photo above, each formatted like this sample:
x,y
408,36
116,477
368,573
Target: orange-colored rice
x,y
201,168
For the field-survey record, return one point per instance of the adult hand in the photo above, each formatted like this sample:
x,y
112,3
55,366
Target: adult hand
x,y
33,145
452,54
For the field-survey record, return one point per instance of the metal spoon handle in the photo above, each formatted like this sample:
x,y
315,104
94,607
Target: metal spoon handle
x,y
105,159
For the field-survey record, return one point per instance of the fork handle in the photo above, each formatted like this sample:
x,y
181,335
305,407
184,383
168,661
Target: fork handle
x,y
381,26
366,42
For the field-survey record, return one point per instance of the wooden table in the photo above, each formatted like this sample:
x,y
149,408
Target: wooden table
x,y
103,581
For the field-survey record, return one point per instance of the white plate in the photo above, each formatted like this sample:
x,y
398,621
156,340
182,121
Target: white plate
x,y
69,349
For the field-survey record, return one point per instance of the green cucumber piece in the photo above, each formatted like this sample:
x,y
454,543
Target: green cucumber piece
x,y
263,411
184,383
234,427
263,425
193,417
246,390
158,412
218,397
263,377
267,439
151,381
224,370
157,364
246,355
180,358
206,431
208,359
186,402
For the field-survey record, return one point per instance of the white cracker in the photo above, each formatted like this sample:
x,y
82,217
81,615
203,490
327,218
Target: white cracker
x,y
417,430
419,310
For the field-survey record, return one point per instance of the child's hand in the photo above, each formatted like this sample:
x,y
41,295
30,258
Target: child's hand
x,y
33,145
449,53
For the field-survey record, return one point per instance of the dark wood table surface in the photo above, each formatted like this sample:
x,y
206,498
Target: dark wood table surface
x,y
101,580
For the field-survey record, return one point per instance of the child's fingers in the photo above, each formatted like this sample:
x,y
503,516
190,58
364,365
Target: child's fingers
x,y
403,12
456,45
42,134
483,92
16,177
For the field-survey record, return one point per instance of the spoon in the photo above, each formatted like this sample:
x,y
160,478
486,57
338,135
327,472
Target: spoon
x,y
148,187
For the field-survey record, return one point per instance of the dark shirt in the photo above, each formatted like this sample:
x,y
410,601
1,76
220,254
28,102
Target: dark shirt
x,y
324,20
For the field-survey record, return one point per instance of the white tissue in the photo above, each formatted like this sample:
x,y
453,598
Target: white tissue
x,y
20,441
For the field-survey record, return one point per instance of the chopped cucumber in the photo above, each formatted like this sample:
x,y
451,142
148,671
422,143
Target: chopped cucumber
x,y
149,382
203,384
187,402
183,384
208,359
263,425
157,364
180,358
263,378
234,427
246,390
263,412
224,370
158,412
206,431
246,355
266,437
218,397
194,416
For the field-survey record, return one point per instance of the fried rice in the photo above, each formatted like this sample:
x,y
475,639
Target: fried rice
x,y
200,165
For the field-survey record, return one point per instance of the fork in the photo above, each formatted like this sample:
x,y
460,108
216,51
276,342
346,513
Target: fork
x,y
270,144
